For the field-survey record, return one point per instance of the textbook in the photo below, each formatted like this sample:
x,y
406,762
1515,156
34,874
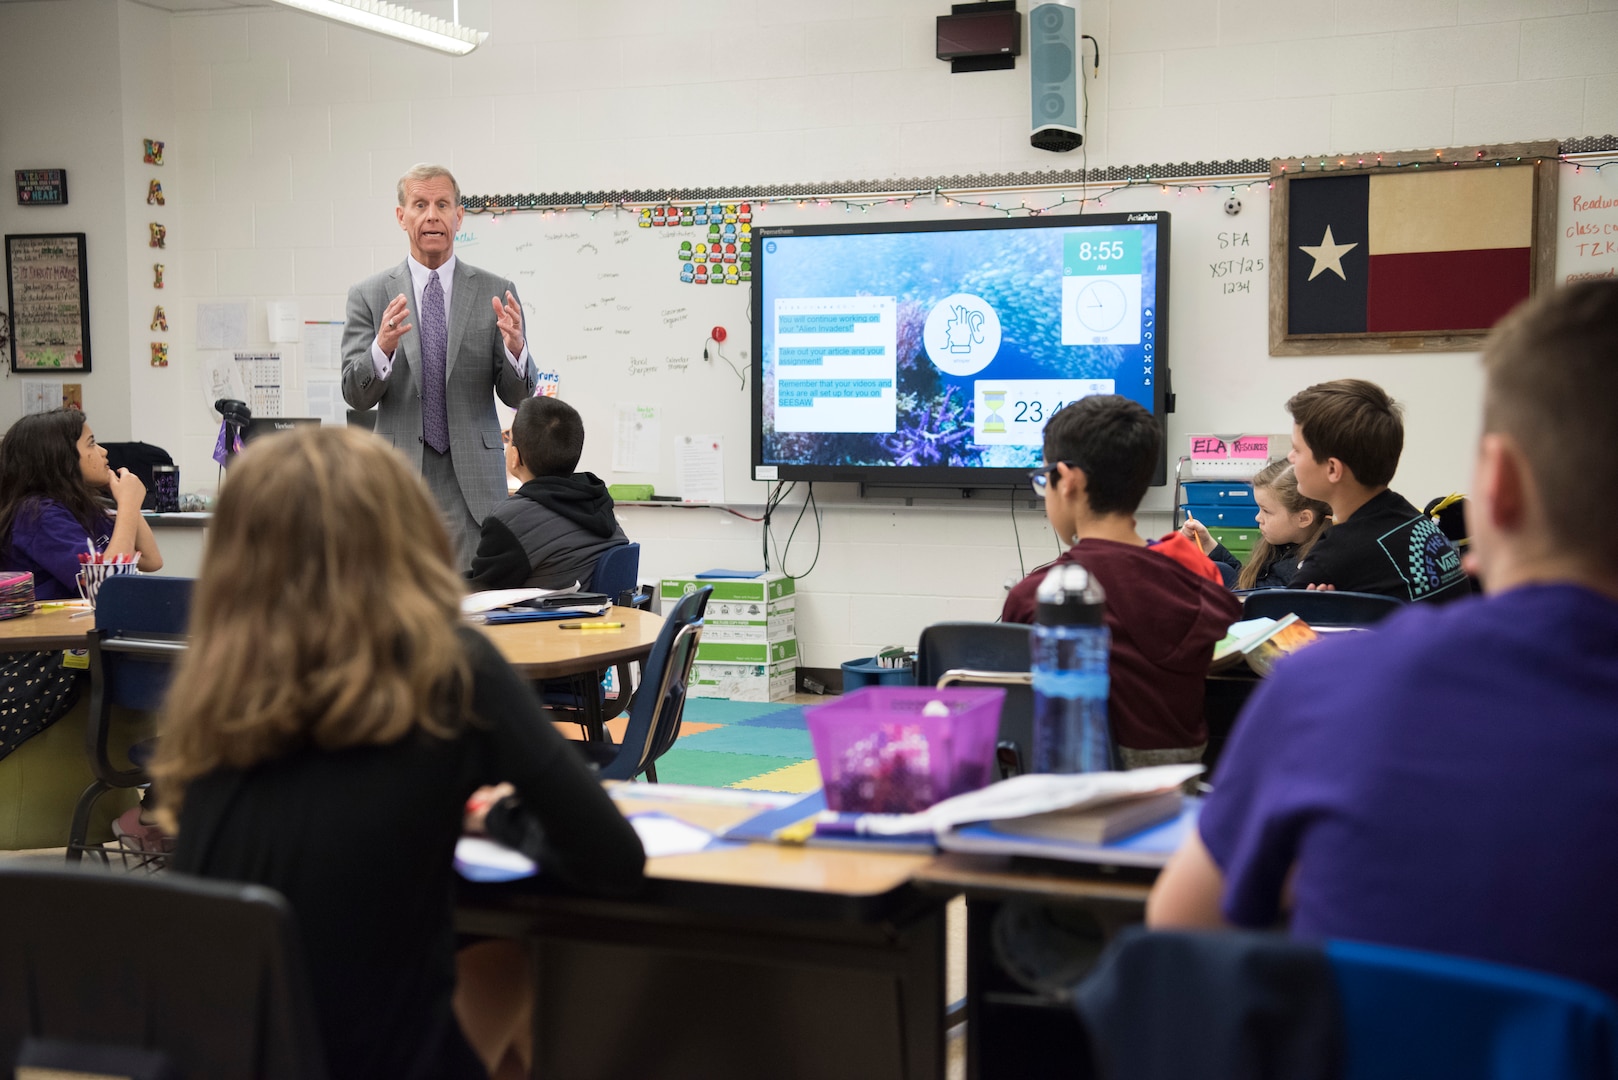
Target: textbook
x,y
1289,635
1261,642
1096,824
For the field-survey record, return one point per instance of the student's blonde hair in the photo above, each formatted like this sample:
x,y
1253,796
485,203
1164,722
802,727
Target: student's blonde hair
x,y
1279,478
324,617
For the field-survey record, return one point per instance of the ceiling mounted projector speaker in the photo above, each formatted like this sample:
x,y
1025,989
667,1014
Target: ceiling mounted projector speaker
x,y
1053,37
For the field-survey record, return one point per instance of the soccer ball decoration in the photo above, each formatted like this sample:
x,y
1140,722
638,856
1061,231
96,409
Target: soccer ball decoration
x,y
1233,206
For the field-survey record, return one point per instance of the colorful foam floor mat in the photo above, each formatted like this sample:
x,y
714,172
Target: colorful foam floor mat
x,y
759,746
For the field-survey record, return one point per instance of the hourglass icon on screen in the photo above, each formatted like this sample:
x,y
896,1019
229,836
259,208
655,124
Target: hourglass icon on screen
x,y
993,402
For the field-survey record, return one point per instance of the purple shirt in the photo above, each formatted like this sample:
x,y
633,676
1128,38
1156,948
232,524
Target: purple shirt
x,y
47,540
1448,781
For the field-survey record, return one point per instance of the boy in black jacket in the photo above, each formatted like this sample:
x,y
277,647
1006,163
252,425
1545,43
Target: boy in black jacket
x,y
550,533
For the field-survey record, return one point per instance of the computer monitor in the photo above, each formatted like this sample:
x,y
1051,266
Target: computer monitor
x,y
260,426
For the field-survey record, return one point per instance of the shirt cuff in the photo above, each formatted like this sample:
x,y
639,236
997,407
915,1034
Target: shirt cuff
x,y
380,361
518,363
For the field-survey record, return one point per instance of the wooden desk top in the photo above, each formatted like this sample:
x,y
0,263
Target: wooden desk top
x,y
543,650
830,871
999,875
46,630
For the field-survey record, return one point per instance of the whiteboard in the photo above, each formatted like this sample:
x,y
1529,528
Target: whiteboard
x,y
1587,220
608,314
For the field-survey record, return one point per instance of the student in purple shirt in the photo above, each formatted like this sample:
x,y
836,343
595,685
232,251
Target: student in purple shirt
x,y
52,507
1445,782
51,472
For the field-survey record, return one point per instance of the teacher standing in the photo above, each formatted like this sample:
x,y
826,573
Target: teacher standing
x,y
429,340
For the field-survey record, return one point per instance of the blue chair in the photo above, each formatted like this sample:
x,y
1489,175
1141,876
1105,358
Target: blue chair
x,y
1413,1015
616,575
1320,607
617,572
139,633
655,713
202,978
1233,1004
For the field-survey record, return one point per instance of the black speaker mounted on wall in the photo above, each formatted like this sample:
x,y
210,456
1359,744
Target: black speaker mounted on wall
x,y
981,37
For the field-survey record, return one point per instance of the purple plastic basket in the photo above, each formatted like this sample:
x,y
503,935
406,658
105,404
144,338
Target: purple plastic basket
x,y
878,753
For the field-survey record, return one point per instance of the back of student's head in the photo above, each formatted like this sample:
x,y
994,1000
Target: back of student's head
x,y
1355,422
1117,443
549,436
1551,384
324,615
1278,479
39,459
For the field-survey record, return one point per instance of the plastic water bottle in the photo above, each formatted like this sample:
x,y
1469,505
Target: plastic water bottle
x,y
1069,646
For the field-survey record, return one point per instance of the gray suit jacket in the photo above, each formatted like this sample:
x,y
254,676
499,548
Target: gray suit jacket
x,y
477,364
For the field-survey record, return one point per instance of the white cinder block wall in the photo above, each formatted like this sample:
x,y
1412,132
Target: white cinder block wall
x,y
286,135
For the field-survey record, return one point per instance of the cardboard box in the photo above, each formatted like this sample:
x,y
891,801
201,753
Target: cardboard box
x,y
746,652
743,682
770,588
745,620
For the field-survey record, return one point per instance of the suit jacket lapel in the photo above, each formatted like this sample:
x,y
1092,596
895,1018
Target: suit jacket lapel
x,y
462,306
409,344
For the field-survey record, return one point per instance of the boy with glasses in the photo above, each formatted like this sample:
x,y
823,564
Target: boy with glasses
x,y
1166,603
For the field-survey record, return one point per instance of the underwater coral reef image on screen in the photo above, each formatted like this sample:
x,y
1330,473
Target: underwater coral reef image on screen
x,y
933,352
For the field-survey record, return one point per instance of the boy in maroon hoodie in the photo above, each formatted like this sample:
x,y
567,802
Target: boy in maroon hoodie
x,y
1166,603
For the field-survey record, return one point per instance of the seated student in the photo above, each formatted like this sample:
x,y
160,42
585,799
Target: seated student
x,y
325,730
551,532
1288,526
1166,604
52,511
1346,441
1446,783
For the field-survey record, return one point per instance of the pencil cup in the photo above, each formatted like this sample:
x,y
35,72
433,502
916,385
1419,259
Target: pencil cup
x,y
91,575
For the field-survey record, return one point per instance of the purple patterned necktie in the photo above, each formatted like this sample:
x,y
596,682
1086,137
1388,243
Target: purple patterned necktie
x,y
434,352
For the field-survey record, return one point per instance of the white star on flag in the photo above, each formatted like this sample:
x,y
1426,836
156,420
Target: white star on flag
x,y
1328,255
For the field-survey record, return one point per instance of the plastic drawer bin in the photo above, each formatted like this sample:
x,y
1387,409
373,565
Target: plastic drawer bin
x,y
1217,493
879,752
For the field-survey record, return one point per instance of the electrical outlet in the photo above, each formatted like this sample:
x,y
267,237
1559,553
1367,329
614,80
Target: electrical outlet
x,y
1013,576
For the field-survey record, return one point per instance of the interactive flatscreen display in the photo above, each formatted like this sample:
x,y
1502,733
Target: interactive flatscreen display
x,y
933,352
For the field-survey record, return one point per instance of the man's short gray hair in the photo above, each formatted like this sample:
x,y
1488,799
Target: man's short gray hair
x,y
425,171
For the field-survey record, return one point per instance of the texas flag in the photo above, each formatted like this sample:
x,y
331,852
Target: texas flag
x,y
1415,250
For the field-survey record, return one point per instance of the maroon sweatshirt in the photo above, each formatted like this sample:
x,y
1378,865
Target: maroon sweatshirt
x,y
1165,621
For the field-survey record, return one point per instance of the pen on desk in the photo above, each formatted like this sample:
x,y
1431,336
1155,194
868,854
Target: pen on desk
x,y
592,626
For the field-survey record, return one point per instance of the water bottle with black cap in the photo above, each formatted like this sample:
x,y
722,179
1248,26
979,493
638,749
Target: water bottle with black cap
x,y
1069,645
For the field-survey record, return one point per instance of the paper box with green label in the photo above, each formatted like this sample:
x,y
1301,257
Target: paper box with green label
x,y
770,588
743,682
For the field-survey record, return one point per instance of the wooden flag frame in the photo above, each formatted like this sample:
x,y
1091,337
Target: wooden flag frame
x,y
1541,157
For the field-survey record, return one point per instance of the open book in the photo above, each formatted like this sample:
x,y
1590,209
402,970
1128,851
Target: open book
x,y
1261,642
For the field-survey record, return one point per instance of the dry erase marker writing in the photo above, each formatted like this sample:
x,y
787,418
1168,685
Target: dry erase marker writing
x,y
592,626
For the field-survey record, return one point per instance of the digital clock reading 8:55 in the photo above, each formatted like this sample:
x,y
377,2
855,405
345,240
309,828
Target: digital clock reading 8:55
x,y
1100,250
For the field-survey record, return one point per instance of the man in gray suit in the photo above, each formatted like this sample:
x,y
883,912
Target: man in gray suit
x,y
434,386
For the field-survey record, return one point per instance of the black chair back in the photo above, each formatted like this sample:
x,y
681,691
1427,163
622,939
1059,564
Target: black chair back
x,y
208,975
990,653
1320,607
659,705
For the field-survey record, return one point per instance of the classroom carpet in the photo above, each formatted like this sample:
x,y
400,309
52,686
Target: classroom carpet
x,y
759,746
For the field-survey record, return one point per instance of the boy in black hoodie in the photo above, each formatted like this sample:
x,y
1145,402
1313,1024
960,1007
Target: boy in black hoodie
x,y
551,532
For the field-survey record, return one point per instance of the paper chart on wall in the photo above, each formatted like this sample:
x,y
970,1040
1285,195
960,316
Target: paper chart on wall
x,y
221,379
221,326
261,378
322,346
699,468
41,396
636,447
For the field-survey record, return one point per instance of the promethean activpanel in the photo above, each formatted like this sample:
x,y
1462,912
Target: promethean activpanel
x,y
931,353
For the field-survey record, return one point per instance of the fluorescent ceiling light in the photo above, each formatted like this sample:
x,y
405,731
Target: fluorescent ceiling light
x,y
394,21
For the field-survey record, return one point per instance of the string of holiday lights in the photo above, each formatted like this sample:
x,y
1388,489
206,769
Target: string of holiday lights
x,y
997,197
